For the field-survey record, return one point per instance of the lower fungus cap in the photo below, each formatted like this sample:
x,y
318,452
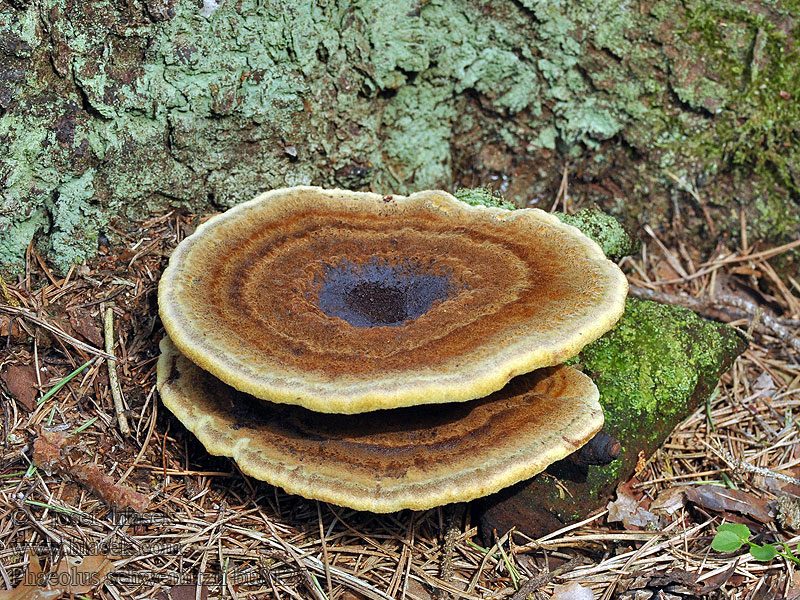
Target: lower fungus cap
x,y
346,302
415,457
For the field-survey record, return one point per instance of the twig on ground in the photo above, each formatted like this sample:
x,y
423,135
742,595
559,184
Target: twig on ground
x,y
764,254
51,452
454,514
674,262
692,191
325,559
563,192
740,465
30,316
310,583
113,379
534,583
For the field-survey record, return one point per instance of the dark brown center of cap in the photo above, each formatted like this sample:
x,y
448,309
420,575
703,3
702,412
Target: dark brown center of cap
x,y
380,293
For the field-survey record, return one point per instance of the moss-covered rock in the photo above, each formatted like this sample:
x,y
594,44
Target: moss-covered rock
x,y
655,367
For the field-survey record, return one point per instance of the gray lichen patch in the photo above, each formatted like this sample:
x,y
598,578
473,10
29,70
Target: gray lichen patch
x,y
76,222
484,196
604,229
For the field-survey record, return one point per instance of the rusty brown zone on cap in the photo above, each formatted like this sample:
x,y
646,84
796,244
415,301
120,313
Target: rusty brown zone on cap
x,y
349,302
416,457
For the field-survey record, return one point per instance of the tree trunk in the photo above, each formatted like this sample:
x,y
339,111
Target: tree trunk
x,y
675,113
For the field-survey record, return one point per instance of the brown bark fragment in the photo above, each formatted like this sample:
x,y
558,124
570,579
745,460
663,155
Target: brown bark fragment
x,y
52,452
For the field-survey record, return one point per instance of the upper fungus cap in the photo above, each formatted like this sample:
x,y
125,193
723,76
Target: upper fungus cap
x,y
416,457
348,302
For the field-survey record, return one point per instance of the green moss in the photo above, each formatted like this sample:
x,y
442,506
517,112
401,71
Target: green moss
x,y
605,230
653,369
649,366
656,365
756,129
483,196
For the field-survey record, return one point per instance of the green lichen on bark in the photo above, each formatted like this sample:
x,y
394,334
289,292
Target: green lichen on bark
x,y
169,103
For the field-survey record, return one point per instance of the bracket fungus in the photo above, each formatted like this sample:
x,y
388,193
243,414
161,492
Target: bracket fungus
x,y
290,316
347,302
416,457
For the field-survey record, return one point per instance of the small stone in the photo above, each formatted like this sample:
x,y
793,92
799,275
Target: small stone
x,y
572,591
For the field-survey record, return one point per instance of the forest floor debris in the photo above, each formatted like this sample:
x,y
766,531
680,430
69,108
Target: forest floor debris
x,y
737,459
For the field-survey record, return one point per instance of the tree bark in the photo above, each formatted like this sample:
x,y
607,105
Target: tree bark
x,y
675,113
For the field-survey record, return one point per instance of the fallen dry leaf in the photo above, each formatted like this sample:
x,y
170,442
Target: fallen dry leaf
x,y
721,499
627,510
85,326
21,383
10,325
715,582
183,591
641,463
73,575
794,587
677,583
765,385
572,591
82,574
669,501
27,588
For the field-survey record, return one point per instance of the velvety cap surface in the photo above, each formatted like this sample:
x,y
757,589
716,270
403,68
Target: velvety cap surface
x,y
348,302
416,457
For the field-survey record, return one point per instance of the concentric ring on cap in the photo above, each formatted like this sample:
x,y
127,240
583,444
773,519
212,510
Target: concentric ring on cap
x,y
415,457
349,302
